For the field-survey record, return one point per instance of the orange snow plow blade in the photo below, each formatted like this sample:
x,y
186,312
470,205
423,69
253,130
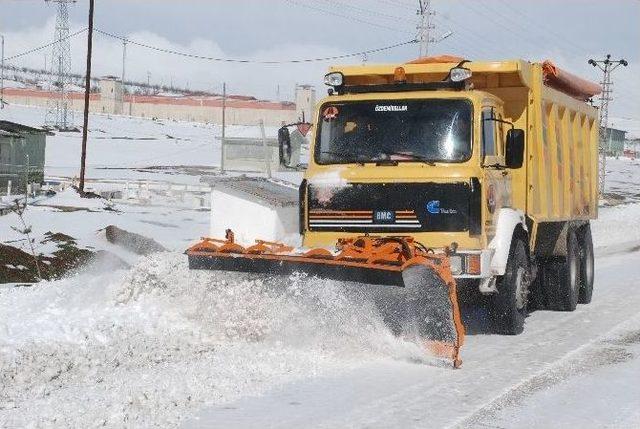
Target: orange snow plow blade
x,y
423,304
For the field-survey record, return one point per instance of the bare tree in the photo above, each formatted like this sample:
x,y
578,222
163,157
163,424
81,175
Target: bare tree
x,y
18,208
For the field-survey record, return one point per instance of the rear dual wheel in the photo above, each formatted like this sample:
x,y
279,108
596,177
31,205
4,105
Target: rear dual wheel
x,y
568,280
561,277
587,269
562,282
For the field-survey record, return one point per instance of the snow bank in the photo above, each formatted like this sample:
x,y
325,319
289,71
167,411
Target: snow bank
x,y
616,226
147,347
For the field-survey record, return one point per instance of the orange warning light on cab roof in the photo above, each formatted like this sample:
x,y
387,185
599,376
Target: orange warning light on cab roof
x,y
399,75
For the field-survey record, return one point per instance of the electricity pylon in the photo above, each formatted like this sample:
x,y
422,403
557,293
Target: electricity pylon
x,y
426,26
607,66
59,112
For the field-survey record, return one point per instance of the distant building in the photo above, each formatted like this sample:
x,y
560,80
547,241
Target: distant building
x,y
632,148
240,109
305,102
22,150
111,95
615,140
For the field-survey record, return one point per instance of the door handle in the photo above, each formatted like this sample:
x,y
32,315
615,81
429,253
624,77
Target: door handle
x,y
505,173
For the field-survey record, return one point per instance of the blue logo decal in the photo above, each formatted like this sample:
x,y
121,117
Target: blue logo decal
x,y
433,207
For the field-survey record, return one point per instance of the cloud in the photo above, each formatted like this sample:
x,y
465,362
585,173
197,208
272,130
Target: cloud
x,y
262,81
249,79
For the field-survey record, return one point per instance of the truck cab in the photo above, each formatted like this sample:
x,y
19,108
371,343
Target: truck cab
x,y
432,160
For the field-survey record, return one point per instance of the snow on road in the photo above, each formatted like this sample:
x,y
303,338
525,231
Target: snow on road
x,y
160,345
499,373
149,346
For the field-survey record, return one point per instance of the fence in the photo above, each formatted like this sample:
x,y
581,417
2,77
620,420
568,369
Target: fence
x,y
16,178
254,154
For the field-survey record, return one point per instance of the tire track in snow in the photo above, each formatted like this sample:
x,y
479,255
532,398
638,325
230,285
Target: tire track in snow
x,y
609,349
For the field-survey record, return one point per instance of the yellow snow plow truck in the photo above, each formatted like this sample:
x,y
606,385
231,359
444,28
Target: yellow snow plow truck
x,y
440,174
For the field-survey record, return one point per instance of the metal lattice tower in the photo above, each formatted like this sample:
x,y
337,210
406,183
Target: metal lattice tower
x,y
59,113
425,26
607,66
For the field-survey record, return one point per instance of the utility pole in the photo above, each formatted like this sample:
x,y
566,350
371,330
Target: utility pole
x,y
87,90
124,59
224,124
425,26
26,180
58,113
607,66
2,77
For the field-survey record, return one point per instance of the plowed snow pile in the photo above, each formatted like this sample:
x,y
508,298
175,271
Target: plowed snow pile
x,y
149,346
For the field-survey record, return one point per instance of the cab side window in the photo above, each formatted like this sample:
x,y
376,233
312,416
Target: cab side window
x,y
488,132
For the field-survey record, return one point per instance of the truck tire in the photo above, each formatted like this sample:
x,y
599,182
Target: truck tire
x,y
586,265
508,308
562,277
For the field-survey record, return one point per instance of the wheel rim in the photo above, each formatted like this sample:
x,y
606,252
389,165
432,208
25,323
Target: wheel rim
x,y
574,266
588,266
522,288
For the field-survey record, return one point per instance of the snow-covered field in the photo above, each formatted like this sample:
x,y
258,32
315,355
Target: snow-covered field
x,y
120,147
158,345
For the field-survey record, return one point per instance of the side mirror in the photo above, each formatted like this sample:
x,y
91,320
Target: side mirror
x,y
514,156
284,145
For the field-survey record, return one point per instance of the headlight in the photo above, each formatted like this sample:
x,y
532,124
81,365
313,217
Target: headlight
x,y
458,74
334,79
455,261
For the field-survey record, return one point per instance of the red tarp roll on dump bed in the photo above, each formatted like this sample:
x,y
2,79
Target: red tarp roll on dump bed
x,y
568,83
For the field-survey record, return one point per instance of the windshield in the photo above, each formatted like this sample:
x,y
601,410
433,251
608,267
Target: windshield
x,y
395,131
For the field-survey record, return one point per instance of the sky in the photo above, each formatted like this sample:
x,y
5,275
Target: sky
x,y
568,32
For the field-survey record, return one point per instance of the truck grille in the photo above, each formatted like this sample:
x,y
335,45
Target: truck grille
x,y
389,207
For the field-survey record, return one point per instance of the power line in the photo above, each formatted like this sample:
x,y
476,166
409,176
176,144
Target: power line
x,y
246,61
344,16
395,3
39,48
545,29
218,59
475,36
367,11
500,23
462,48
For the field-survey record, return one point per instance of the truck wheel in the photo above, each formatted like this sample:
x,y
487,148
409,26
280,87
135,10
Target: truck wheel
x,y
562,277
586,265
508,308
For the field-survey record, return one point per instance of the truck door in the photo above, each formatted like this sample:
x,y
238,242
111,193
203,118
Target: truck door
x,y
497,187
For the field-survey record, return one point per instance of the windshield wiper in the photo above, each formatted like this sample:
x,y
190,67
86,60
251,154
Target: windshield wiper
x,y
345,156
411,156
